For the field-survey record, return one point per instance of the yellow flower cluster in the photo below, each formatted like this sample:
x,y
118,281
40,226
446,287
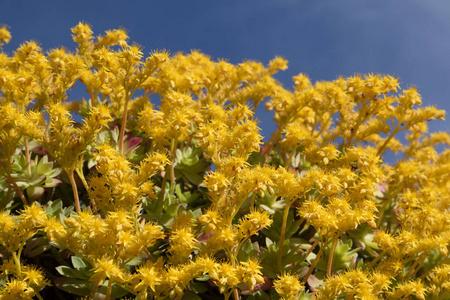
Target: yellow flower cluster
x,y
182,200
21,281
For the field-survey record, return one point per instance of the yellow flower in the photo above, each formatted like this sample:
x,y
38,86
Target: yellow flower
x,y
113,37
253,222
34,277
150,276
211,219
5,35
107,268
288,286
182,243
16,289
225,276
149,234
412,288
250,273
33,215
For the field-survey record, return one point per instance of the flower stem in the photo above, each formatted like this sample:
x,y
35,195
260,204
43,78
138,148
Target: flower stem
x,y
236,294
413,269
172,166
271,142
252,201
124,124
75,191
27,154
238,248
227,295
149,255
6,200
311,249
331,256
94,290
79,171
386,142
313,265
16,259
38,295
288,162
108,290
18,190
282,234
375,260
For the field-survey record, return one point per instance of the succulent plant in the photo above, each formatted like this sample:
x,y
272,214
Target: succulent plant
x,y
34,180
191,164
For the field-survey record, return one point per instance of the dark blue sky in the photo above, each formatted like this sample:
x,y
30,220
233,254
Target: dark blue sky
x,y
324,39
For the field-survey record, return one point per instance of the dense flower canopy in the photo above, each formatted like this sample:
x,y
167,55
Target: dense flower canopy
x,y
185,199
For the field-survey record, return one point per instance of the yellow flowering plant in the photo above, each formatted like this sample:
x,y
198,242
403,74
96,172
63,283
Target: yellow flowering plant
x,y
113,196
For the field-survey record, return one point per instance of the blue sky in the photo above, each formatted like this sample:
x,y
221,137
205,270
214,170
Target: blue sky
x,y
322,38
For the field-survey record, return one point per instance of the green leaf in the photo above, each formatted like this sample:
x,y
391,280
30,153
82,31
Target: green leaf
x,y
204,278
198,287
35,192
36,179
248,250
188,295
54,208
274,231
36,246
178,154
304,296
80,264
116,290
342,257
136,261
259,295
179,193
71,273
74,286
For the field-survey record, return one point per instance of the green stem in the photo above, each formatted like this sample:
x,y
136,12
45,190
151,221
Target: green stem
x,y
413,270
227,295
386,142
124,124
6,200
322,126
422,277
38,295
331,256
172,166
16,259
252,201
238,248
27,155
236,294
313,265
18,190
150,256
359,121
94,290
75,191
313,246
79,171
92,99
375,260
163,185
282,234
288,162
108,290
382,209
273,139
